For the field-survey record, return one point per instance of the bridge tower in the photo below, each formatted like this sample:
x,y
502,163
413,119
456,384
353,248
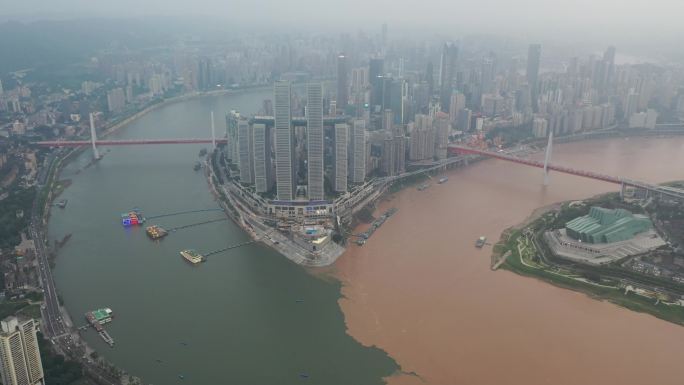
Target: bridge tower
x,y
93,137
547,158
213,132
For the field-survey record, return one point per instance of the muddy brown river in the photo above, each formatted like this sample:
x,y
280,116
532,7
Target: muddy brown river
x,y
422,292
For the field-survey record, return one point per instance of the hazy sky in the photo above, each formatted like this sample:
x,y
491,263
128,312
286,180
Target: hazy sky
x,y
578,18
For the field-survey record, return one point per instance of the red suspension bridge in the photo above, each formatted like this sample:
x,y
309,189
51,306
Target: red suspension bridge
x,y
127,142
623,182
454,150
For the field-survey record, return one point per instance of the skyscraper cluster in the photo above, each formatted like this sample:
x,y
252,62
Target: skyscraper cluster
x,y
389,111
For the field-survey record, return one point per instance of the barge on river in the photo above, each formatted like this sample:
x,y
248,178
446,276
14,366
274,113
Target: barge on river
x,y
156,232
192,256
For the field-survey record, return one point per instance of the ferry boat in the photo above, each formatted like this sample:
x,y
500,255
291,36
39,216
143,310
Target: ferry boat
x,y
480,242
132,218
192,256
156,232
442,180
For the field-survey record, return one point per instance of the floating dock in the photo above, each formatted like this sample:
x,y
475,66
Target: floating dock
x,y
99,317
363,237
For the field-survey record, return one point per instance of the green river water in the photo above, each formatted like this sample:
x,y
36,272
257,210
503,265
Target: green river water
x,y
247,316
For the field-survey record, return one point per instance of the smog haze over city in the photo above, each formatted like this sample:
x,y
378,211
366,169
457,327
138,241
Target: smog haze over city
x,y
352,192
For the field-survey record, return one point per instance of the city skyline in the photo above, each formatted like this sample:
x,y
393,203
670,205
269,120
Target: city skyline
x,y
367,169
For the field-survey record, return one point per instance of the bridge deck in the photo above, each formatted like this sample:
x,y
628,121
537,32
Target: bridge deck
x,y
669,191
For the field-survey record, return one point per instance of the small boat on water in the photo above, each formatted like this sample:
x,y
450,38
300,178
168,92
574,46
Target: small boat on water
x,y
442,180
480,242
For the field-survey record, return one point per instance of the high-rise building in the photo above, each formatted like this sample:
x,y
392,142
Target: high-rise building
x,y
284,142
359,79
456,104
342,86
464,119
396,99
232,119
387,162
399,154
341,156
267,107
533,60
487,75
358,150
116,100
393,155
204,74
430,78
540,127
245,154
447,70
314,140
375,78
630,104
388,120
263,171
441,136
20,362
422,144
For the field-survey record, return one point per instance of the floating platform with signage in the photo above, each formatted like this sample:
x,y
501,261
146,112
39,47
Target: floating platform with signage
x,y
132,218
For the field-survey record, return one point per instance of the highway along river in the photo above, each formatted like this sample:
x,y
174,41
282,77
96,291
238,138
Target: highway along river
x,y
248,316
421,291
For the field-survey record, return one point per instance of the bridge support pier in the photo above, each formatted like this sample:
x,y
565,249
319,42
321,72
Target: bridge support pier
x,y
213,132
547,158
93,137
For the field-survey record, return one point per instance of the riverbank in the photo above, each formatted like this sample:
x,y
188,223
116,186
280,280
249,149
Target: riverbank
x,y
52,189
528,255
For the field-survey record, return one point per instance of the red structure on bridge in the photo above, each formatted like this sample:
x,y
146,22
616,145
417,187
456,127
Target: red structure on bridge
x,y
79,143
461,150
